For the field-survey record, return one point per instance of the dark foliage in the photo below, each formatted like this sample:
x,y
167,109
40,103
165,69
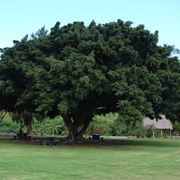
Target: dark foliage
x,y
76,71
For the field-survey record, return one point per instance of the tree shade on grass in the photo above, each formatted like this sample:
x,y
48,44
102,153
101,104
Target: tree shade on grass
x,y
136,159
77,71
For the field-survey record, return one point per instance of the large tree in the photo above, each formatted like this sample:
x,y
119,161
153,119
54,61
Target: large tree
x,y
78,71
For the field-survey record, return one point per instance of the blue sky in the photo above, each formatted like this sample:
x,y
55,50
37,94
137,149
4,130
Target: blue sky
x,y
21,17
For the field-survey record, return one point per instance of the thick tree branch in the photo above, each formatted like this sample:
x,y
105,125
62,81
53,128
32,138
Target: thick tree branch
x,y
2,116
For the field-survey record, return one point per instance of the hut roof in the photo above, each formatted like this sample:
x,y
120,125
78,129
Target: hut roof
x,y
161,123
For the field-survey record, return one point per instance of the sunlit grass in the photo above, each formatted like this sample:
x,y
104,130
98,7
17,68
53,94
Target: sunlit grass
x,y
135,159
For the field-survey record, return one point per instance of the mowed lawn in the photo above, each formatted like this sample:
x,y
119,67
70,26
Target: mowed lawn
x,y
134,159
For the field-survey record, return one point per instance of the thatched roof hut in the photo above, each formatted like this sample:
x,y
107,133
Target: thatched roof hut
x,y
161,123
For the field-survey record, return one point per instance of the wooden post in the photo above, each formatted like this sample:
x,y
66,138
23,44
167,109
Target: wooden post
x,y
161,133
170,133
153,133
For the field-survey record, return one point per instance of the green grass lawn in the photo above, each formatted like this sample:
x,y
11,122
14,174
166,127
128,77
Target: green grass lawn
x,y
135,159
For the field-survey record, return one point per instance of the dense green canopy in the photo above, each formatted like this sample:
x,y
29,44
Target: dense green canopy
x,y
77,71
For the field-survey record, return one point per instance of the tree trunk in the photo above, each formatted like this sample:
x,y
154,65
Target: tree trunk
x,y
76,132
29,128
73,134
20,135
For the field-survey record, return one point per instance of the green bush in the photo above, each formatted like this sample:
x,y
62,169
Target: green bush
x,y
47,126
50,126
103,124
111,124
7,125
114,124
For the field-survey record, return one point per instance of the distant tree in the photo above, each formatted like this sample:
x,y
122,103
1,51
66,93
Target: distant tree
x,y
176,128
77,71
